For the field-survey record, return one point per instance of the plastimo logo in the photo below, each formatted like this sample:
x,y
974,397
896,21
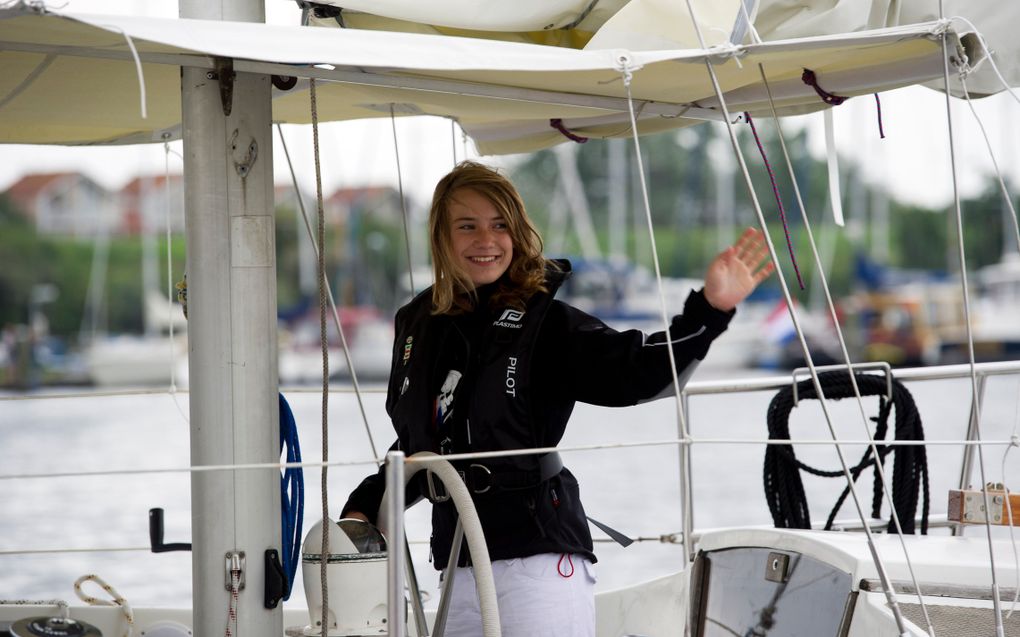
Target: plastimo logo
x,y
510,318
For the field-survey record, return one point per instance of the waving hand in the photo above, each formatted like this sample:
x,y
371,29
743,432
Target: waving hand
x,y
737,271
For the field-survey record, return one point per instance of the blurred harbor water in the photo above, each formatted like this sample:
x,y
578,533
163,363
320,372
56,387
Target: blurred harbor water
x,y
634,489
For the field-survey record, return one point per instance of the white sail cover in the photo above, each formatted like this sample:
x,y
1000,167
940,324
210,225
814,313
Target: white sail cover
x,y
641,25
504,94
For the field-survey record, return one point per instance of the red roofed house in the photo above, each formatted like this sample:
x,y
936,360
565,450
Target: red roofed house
x,y
143,205
67,204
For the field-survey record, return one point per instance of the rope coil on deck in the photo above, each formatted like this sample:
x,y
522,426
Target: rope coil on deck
x,y
784,490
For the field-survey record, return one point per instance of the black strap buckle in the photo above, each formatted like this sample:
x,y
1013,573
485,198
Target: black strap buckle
x,y
477,475
437,491
477,478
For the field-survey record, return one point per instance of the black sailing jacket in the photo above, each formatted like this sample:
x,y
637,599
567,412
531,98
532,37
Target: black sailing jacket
x,y
524,372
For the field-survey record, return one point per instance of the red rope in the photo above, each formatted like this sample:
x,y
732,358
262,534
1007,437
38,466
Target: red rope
x,y
557,123
235,580
809,78
559,566
779,200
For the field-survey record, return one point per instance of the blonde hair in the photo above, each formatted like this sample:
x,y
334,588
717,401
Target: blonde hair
x,y
454,291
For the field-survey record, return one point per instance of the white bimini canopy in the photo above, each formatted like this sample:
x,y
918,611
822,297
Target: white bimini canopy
x,y
506,95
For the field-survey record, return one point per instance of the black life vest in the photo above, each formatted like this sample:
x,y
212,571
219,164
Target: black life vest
x,y
527,504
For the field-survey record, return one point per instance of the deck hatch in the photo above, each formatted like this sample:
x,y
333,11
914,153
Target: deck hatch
x,y
757,591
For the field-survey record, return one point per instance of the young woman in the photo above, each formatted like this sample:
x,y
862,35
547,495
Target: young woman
x,y
486,359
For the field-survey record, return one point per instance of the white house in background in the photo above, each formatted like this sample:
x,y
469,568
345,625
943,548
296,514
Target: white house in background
x,y
68,204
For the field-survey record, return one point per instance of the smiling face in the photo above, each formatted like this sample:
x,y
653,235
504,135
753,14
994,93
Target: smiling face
x,y
479,237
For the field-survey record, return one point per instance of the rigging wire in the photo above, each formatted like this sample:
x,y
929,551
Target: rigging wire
x,y
170,277
962,255
995,164
1009,505
358,392
1016,230
831,306
403,205
879,564
624,61
412,578
453,138
499,454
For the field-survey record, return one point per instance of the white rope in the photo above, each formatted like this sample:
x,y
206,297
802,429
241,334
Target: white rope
x,y
823,403
118,600
990,58
879,463
65,610
469,521
70,550
138,66
119,393
750,24
975,394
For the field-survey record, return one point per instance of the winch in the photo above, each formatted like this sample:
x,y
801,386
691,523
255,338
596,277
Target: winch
x,y
355,577
52,627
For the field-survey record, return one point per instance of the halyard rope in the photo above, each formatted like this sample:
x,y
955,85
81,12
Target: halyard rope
x,y
325,360
235,583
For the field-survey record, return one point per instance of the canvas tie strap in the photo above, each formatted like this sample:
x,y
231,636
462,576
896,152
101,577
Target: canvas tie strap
x,y
618,537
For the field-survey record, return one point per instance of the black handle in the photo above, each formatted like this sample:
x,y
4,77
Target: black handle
x,y
156,535
277,586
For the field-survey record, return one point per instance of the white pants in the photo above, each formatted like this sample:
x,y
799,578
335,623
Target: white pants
x,y
547,595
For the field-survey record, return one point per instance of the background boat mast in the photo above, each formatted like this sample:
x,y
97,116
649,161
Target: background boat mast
x,y
231,266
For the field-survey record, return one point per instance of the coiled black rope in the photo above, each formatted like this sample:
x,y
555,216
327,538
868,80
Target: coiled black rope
x,y
783,487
